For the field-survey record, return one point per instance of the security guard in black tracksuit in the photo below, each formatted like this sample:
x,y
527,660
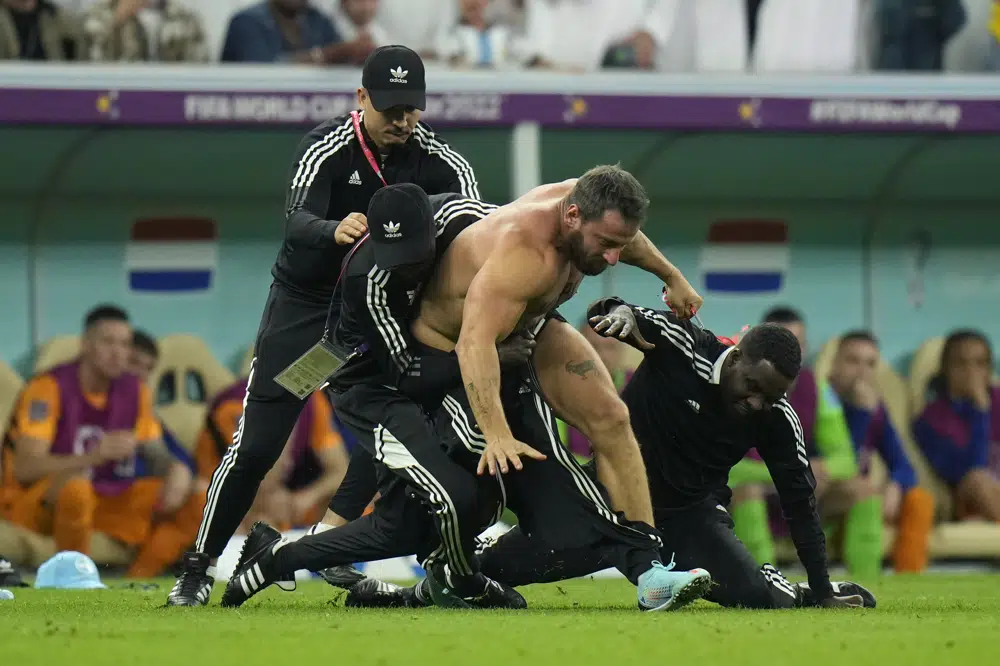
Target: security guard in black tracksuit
x,y
338,167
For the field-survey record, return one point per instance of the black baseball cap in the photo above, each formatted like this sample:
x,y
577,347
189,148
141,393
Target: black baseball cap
x,y
401,224
394,76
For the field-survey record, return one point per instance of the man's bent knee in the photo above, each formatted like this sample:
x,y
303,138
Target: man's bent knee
x,y
601,413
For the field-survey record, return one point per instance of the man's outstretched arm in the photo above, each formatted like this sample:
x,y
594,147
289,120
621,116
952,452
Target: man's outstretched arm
x,y
495,302
643,253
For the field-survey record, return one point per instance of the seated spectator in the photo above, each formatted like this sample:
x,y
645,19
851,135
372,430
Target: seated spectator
x,y
355,19
177,515
585,35
37,30
904,504
142,30
843,496
475,42
290,31
72,451
959,430
298,488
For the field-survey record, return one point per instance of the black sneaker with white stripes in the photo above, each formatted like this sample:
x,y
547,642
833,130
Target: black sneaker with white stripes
x,y
253,570
844,588
345,577
194,587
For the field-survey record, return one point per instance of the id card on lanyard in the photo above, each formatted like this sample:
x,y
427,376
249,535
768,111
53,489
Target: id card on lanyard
x,y
311,371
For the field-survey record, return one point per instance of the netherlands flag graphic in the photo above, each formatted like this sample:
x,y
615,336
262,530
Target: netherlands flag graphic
x,y
171,255
745,256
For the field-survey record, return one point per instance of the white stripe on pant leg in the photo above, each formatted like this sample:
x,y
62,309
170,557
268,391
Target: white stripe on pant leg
x,y
567,460
474,442
390,451
580,479
460,423
433,557
448,521
445,525
222,471
583,482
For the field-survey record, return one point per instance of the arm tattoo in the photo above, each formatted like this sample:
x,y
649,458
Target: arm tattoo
x,y
581,368
479,406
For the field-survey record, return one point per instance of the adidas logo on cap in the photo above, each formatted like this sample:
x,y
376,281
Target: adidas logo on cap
x,y
398,75
391,229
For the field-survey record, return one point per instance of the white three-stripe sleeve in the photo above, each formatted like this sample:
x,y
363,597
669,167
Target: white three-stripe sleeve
x,y
795,425
456,208
781,445
313,167
456,172
657,326
386,329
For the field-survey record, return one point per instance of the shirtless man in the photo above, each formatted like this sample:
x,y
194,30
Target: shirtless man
x,y
506,275
515,267
559,232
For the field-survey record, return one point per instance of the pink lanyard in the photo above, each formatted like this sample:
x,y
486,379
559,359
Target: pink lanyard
x,y
356,118
343,269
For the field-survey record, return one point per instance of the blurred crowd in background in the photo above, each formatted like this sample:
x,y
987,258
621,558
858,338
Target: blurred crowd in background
x,y
565,35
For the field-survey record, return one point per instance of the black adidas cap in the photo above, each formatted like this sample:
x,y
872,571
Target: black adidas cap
x,y
394,76
401,224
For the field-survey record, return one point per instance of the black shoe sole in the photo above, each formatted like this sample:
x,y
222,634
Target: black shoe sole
x,y
342,577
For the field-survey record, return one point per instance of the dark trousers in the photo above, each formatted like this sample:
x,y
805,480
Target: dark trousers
x,y
288,327
401,524
556,501
702,536
358,487
396,432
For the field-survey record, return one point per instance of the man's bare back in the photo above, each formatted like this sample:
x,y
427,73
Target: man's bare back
x,y
531,223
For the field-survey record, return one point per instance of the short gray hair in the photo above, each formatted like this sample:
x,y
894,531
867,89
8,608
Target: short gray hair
x,y
609,187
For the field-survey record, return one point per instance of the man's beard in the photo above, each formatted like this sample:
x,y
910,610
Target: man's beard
x,y
587,265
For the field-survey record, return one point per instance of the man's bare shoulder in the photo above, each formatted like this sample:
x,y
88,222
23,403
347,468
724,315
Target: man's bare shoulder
x,y
547,192
524,226
524,246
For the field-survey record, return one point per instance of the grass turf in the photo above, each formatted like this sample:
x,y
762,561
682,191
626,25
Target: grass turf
x,y
934,619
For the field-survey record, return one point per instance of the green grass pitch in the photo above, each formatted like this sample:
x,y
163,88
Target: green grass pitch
x,y
933,619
